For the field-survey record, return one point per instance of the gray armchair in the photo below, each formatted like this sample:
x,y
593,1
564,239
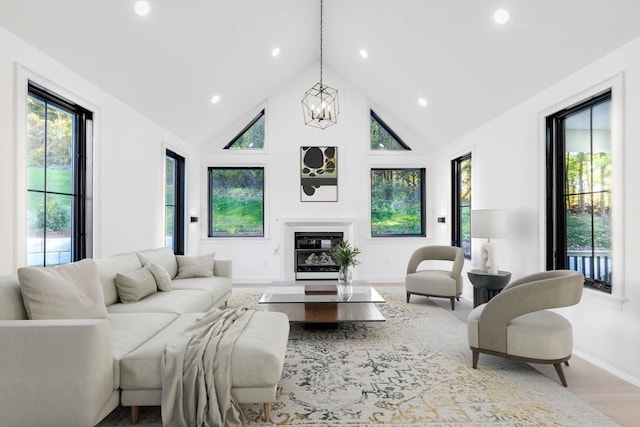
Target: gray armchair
x,y
435,282
514,324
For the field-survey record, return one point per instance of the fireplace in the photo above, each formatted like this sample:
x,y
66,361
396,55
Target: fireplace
x,y
313,255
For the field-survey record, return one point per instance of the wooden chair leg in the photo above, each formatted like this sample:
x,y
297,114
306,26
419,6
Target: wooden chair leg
x,y
475,354
453,303
408,296
566,362
558,367
267,412
135,414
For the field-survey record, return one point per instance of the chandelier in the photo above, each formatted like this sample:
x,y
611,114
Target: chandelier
x,y
320,103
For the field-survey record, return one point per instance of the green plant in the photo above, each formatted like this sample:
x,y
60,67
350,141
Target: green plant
x,y
56,218
346,254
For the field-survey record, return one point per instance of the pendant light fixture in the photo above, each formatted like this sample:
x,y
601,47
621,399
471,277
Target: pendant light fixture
x,y
320,103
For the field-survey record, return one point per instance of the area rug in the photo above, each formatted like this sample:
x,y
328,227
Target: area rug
x,y
412,370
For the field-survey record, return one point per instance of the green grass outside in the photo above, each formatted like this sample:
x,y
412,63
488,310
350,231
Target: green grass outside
x,y
393,222
234,217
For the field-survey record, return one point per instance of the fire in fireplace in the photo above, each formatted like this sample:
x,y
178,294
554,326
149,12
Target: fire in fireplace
x,y
313,255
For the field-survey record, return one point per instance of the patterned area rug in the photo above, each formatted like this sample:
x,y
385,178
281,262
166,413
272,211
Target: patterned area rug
x,y
413,369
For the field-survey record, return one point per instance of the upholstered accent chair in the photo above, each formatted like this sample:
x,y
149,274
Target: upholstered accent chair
x,y
515,324
441,283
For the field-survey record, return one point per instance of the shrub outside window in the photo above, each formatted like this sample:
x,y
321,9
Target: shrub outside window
x,y
398,202
236,202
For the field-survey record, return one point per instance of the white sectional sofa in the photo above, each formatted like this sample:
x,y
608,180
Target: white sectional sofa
x,y
74,372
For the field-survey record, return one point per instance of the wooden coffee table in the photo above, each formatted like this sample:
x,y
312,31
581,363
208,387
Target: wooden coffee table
x,y
323,308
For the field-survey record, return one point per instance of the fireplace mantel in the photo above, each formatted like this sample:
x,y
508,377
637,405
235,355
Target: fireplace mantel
x,y
288,226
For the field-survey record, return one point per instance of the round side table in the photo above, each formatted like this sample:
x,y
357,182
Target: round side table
x,y
487,286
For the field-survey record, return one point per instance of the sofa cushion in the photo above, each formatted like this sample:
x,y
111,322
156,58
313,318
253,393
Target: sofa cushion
x,y
257,359
109,267
135,285
160,256
130,330
259,352
140,369
176,301
218,287
70,291
201,266
162,277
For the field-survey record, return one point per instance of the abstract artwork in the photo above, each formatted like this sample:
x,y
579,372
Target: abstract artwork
x,y
318,174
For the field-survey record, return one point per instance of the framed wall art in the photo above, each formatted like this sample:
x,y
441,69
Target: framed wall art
x,y
319,174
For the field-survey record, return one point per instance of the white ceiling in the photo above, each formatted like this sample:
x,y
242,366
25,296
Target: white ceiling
x,y
169,63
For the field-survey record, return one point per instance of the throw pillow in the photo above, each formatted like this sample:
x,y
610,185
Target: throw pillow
x,y
163,279
201,266
161,256
135,285
70,291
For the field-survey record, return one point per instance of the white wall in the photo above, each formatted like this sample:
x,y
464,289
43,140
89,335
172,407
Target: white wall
x,y
508,172
128,159
259,260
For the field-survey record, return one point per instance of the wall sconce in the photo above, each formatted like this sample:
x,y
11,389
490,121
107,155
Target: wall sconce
x,y
194,219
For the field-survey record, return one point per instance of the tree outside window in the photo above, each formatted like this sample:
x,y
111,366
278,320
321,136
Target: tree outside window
x,y
236,202
397,202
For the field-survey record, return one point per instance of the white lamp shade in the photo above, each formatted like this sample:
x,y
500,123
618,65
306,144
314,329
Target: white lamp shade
x,y
489,224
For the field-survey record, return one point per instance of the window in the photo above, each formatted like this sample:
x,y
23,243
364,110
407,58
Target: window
x,y
251,137
383,137
174,203
59,134
579,186
461,203
236,202
397,202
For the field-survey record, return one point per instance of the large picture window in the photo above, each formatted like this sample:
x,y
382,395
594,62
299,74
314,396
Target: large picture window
x,y
579,187
59,134
236,202
461,203
397,202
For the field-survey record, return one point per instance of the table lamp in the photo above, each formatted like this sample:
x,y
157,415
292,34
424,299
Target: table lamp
x,y
488,224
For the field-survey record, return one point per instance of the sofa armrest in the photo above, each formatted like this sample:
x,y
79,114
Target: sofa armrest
x,y
222,268
55,372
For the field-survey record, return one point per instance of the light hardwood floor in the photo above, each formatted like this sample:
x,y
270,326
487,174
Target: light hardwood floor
x,y
614,397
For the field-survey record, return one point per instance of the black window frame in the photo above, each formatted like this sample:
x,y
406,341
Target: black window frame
x,y
235,139
394,135
179,202
456,205
556,224
81,215
210,201
423,203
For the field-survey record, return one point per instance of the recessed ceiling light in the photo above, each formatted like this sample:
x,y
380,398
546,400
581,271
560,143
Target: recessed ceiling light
x,y
364,53
142,7
501,16
215,99
422,102
275,52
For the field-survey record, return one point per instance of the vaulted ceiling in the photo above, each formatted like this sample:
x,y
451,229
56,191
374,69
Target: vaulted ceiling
x,y
169,63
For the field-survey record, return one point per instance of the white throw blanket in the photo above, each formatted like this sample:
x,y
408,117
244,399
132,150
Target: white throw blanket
x,y
196,372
